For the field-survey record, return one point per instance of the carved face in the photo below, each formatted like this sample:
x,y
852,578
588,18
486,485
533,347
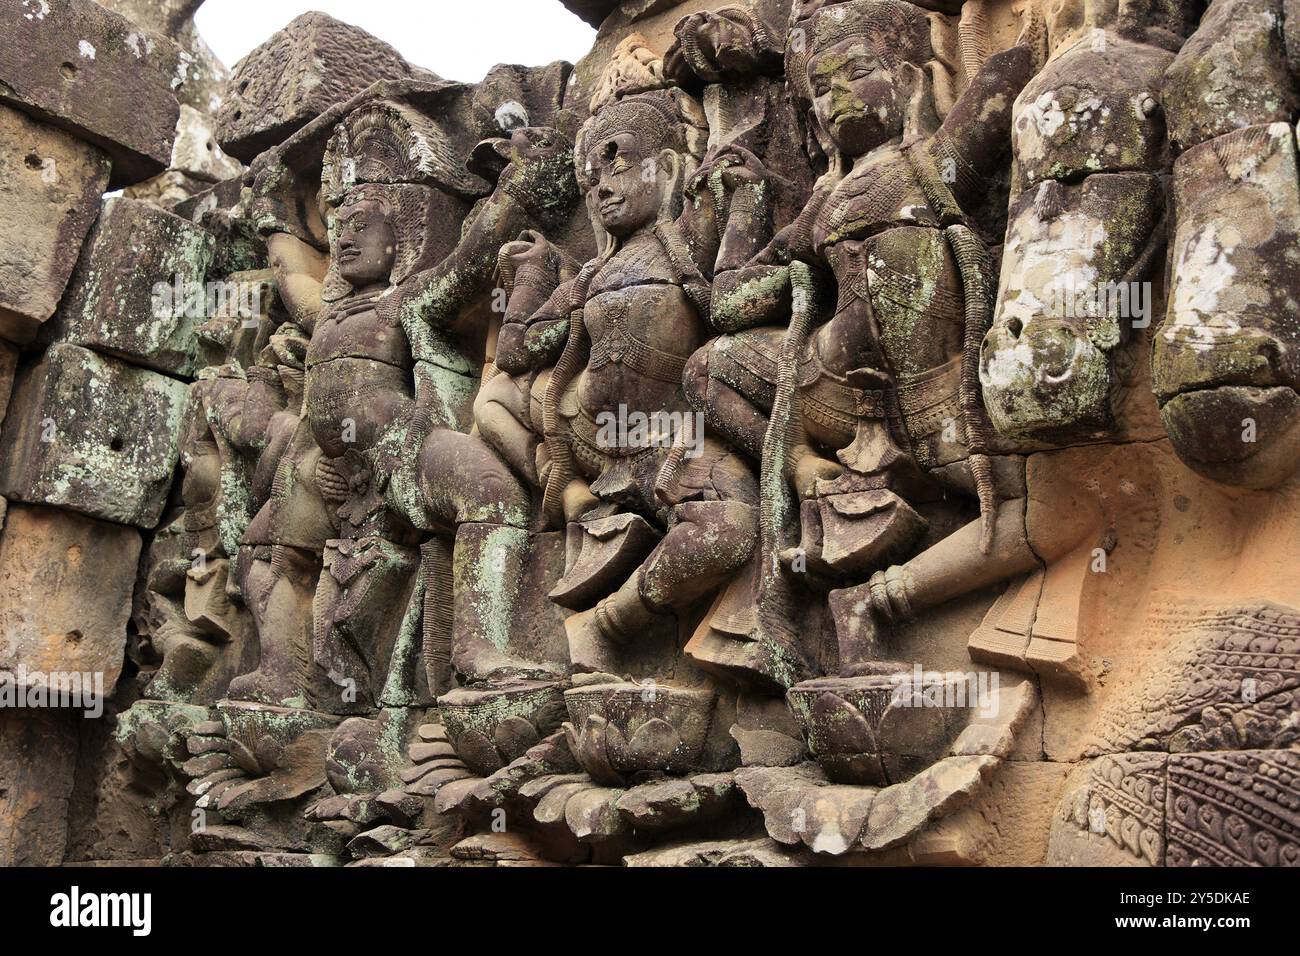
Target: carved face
x,y
624,182
366,247
1226,359
855,97
723,37
1065,302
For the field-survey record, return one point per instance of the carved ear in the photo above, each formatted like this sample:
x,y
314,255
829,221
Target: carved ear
x,y
603,238
670,174
916,95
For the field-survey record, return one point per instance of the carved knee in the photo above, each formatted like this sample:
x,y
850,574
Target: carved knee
x,y
461,479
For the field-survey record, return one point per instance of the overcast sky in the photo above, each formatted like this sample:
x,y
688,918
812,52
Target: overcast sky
x,y
457,39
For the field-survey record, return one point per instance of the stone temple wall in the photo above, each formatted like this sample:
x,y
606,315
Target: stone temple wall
x,y
802,432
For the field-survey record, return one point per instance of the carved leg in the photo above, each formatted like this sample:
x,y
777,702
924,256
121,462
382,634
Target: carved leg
x,y
946,570
279,591
708,542
740,417
501,414
465,486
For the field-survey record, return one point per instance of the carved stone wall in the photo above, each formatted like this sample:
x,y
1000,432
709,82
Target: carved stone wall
x,y
800,433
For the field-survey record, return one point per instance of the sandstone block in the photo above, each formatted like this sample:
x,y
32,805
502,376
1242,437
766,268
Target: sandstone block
x,y
8,368
96,74
65,593
138,292
313,63
196,153
50,184
94,435
38,759
205,75
1232,73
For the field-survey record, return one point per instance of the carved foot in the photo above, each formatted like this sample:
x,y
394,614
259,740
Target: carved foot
x,y
595,636
265,688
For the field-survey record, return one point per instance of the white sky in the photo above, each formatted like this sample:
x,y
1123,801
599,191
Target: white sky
x,y
457,39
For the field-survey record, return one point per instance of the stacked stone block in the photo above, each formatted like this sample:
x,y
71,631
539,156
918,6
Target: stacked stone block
x,y
91,381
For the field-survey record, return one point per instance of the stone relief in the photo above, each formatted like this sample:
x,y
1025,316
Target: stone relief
x,y
804,432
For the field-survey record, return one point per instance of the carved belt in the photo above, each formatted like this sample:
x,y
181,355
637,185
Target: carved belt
x,y
587,432
623,475
827,399
929,399
618,346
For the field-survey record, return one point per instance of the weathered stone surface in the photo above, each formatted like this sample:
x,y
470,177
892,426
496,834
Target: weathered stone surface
x,y
1226,362
92,434
669,803
97,74
758,852
383,841
64,557
313,63
1230,74
205,75
8,369
196,153
902,565
592,11
38,757
50,184
139,291
166,190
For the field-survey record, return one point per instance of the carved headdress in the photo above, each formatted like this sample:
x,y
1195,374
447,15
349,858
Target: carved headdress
x,y
663,119
391,142
899,32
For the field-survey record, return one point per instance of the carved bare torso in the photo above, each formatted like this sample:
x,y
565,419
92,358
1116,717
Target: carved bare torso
x,y
899,307
642,328
358,378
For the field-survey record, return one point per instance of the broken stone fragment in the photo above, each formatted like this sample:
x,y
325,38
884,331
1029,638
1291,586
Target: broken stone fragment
x,y
665,804
196,153
384,840
92,434
757,852
1230,74
313,63
62,558
139,291
205,75
50,184
166,190
96,74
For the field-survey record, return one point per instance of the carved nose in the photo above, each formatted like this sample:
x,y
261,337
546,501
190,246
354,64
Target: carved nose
x,y
1055,350
605,192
